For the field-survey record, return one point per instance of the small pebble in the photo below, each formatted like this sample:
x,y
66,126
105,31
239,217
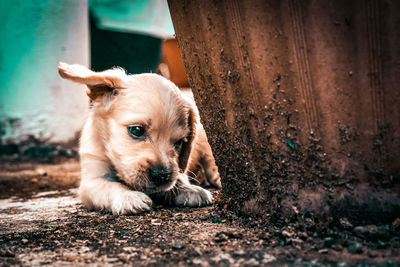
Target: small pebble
x,y
178,246
303,235
267,258
372,253
323,251
286,233
198,251
221,237
24,241
296,240
355,247
6,253
239,253
337,247
200,262
41,172
156,221
143,257
344,222
265,236
329,241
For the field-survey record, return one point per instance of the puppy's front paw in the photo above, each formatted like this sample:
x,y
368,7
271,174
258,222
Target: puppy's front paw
x,y
193,196
130,202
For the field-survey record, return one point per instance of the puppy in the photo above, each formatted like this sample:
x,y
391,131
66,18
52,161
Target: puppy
x,y
141,140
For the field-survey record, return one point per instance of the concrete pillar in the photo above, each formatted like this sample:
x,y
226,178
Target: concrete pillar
x,y
300,101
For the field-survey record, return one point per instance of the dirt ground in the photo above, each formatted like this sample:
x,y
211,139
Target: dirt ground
x,y
42,222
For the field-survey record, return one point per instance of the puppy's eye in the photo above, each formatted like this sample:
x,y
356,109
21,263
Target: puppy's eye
x,y
178,144
136,131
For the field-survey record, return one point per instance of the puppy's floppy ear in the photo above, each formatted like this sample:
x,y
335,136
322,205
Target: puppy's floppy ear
x,y
187,146
98,83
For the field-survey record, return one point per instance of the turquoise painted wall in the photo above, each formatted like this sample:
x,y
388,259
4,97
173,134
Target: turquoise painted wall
x,y
35,36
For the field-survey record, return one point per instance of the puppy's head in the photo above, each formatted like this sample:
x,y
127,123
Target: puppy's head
x,y
142,123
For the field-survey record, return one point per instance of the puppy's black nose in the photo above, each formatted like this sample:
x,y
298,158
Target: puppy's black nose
x,y
160,175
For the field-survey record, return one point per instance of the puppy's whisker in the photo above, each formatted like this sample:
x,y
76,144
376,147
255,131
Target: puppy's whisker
x,y
174,191
192,173
194,178
181,186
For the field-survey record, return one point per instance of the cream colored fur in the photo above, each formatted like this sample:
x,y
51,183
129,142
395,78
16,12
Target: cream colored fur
x,y
115,166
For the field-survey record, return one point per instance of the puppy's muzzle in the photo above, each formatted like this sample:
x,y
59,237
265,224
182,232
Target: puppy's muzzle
x,y
160,175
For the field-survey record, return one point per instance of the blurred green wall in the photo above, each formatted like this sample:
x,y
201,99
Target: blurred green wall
x,y
35,36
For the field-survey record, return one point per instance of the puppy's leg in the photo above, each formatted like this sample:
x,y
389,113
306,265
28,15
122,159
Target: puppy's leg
x,y
191,195
97,192
203,155
210,169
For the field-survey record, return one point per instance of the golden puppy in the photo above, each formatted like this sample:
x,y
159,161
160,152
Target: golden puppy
x,y
139,140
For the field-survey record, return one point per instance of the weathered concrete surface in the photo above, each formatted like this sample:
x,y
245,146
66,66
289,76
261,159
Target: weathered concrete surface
x,y
53,228
47,225
46,206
